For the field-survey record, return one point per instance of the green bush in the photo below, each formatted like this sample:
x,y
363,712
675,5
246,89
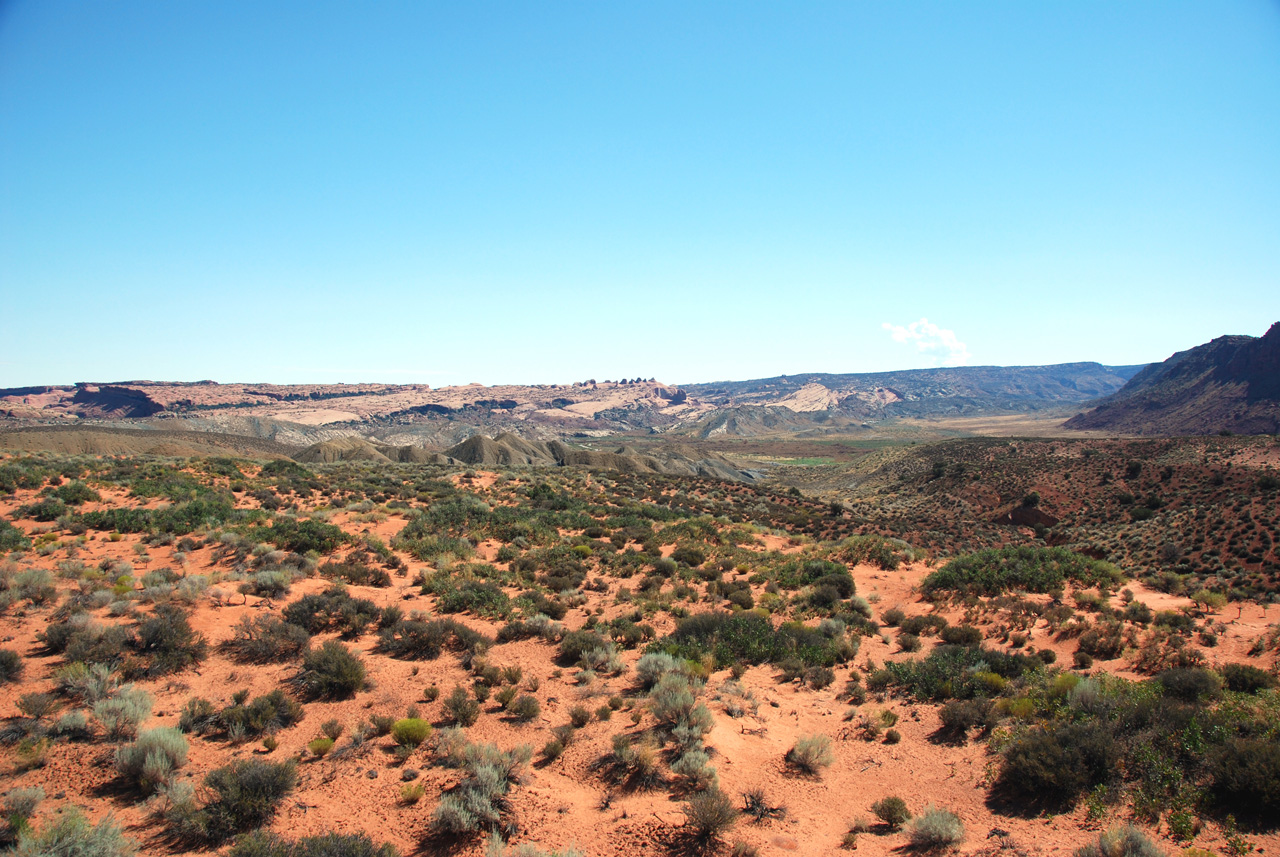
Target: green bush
x,y
934,829
811,753
526,708
461,707
305,536
333,610
168,642
12,538
265,714
961,715
261,843
709,814
994,571
1245,776
246,794
892,811
410,731
149,762
1054,767
10,666
331,672
1123,841
416,639
70,834
1190,684
1245,678
475,596
266,639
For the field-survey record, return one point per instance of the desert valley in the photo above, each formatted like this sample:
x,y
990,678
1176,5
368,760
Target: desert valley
x,y
998,611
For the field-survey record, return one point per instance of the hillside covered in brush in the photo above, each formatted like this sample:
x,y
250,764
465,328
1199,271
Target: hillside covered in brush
x,y
1231,384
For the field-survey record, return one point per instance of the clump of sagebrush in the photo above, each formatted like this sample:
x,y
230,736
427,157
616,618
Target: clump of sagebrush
x,y
122,712
149,762
266,639
709,814
168,643
634,763
480,801
245,795
461,707
811,753
70,833
419,638
261,843
243,718
935,828
892,811
331,672
1123,841
10,666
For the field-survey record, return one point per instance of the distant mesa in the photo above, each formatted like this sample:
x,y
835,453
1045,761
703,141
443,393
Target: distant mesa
x,y
1231,384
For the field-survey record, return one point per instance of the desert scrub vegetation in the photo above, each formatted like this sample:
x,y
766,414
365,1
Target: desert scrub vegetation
x,y
420,638
1123,841
935,829
261,843
244,718
480,801
331,672
70,833
749,638
150,761
709,814
892,811
995,571
242,796
266,639
11,666
811,753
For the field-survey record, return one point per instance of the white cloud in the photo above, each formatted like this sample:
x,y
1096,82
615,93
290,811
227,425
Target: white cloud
x,y
938,344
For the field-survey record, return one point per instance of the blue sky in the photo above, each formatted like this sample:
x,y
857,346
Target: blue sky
x,y
529,193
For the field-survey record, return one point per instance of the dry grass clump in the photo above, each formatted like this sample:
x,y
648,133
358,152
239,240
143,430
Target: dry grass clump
x,y
811,753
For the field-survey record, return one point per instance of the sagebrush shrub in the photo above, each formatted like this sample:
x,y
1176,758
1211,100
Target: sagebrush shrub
x,y
70,833
710,813
811,753
332,672
122,713
1056,766
10,666
266,639
1246,778
150,761
168,642
1123,841
525,708
892,811
246,794
261,843
461,707
935,828
1245,678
